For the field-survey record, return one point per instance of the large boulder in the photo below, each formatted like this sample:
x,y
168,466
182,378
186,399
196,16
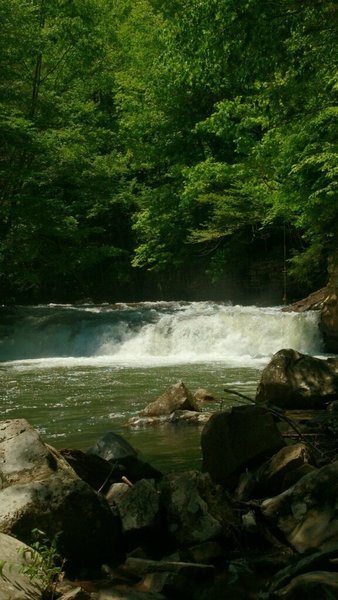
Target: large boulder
x,y
196,509
176,397
293,380
40,490
307,512
237,439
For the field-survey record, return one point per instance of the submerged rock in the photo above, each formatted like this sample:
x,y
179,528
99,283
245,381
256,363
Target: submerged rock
x,y
293,380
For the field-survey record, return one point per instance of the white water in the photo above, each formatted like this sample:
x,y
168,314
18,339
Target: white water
x,y
76,372
153,334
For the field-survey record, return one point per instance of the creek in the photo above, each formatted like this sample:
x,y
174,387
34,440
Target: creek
x,y
75,372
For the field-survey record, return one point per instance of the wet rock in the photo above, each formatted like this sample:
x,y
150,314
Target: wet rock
x,y
123,458
189,417
176,397
236,439
270,477
203,396
41,490
306,513
112,447
14,584
293,380
196,509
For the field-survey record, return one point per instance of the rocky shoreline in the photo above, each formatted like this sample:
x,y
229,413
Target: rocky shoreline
x,y
259,521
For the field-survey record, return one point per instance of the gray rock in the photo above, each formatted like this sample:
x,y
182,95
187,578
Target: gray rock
x,y
41,490
196,509
236,439
138,506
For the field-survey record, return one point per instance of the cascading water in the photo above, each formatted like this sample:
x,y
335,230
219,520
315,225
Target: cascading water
x,y
76,372
156,333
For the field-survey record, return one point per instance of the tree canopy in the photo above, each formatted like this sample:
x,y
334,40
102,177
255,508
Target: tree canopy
x,y
141,136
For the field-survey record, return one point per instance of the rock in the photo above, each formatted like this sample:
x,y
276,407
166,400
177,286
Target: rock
x,y
40,490
123,458
138,507
314,301
201,396
329,310
173,579
14,584
76,594
306,513
176,397
318,585
293,380
236,439
93,469
206,553
196,509
190,417
316,561
112,447
271,475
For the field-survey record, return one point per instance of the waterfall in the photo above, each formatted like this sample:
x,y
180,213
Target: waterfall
x,y
154,333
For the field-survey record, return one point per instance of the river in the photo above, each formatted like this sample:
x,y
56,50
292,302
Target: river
x,y
75,372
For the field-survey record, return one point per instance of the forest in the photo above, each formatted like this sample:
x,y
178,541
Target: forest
x,y
157,150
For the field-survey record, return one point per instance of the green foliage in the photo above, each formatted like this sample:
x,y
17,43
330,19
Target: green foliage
x,y
142,133
41,564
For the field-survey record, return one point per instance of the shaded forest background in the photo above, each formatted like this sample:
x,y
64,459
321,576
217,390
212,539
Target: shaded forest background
x,y
183,149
